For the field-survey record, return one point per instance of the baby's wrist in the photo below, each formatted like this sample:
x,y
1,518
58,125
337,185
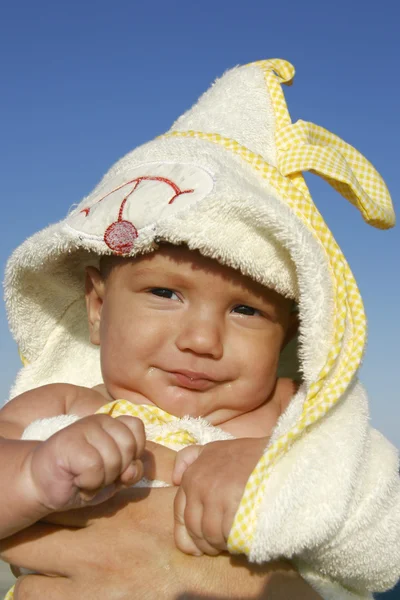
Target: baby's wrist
x,y
31,483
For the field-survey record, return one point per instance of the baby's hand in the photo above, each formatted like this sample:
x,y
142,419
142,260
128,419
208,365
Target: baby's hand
x,y
87,462
212,479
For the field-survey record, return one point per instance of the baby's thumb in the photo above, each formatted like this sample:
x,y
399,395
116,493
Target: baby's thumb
x,y
97,496
183,460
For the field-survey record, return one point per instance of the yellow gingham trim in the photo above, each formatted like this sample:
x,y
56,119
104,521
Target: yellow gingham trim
x,y
277,71
291,187
150,415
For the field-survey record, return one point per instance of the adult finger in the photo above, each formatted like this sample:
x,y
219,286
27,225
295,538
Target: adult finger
x,y
37,587
158,462
183,540
84,517
43,548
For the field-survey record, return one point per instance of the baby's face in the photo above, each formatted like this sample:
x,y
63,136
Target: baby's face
x,y
184,333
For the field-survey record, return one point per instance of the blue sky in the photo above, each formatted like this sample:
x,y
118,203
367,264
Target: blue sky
x,y
84,82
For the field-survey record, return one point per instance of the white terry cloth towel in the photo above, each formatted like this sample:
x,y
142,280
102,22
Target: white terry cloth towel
x,y
226,180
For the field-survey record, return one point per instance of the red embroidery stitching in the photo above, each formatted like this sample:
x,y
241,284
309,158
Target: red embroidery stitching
x,y
120,236
138,180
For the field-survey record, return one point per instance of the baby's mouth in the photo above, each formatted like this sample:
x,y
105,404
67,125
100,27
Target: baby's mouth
x,y
193,381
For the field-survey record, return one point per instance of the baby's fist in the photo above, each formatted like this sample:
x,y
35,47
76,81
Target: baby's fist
x,y
88,461
212,479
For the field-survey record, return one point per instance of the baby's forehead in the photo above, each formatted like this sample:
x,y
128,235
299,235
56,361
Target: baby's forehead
x,y
179,259
174,258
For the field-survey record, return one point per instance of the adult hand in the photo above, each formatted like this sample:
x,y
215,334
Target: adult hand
x,y
125,550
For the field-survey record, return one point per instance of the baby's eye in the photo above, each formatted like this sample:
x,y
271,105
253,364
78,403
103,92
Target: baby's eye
x,y
243,309
164,293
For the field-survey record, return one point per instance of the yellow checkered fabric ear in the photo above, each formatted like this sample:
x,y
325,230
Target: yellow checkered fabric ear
x,y
307,147
282,70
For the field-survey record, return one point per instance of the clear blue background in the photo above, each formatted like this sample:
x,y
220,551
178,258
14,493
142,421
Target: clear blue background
x,y
84,82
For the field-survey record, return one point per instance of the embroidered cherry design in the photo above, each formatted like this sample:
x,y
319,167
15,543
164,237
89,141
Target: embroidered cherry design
x,y
120,236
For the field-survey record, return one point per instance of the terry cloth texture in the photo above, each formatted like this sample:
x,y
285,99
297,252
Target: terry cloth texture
x,y
227,180
161,427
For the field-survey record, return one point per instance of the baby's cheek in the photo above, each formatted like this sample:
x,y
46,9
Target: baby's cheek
x,y
262,378
252,392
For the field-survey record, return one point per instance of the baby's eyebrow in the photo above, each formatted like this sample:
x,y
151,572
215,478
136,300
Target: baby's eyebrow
x,y
143,270
158,271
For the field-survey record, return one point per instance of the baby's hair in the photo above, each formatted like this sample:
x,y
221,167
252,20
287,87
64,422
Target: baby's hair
x,y
108,262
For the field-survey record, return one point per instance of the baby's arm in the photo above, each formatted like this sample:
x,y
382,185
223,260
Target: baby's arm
x,y
211,490
332,504
85,463
68,470
47,401
212,479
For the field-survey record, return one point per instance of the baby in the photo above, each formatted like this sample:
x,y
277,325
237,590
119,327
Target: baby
x,y
178,331
212,238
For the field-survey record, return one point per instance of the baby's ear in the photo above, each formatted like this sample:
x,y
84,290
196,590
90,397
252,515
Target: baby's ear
x,y
94,293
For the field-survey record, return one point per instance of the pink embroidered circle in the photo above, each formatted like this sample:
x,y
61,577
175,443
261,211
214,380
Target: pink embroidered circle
x,y
120,236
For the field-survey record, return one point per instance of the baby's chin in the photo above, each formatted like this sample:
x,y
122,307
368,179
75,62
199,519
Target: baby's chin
x,y
177,402
188,403
114,392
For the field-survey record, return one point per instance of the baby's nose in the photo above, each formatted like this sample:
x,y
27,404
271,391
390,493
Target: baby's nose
x,y
201,335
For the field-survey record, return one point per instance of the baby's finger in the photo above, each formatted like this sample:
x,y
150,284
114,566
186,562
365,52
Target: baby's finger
x,y
194,517
183,460
132,474
212,530
136,427
183,540
197,512
96,497
116,445
98,460
128,435
202,544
